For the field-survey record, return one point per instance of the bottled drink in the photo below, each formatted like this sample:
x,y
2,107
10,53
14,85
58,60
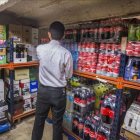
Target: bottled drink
x,y
83,102
65,118
77,100
71,101
70,118
81,127
88,101
101,33
92,133
87,129
75,124
101,133
105,109
68,99
92,99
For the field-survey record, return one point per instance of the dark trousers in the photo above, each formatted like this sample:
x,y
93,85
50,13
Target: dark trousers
x,y
54,98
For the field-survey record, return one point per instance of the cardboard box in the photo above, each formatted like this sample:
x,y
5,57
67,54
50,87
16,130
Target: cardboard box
x,y
2,51
15,87
131,121
2,32
31,51
33,100
24,86
27,32
127,135
1,89
35,36
2,59
15,32
27,102
33,87
33,73
21,74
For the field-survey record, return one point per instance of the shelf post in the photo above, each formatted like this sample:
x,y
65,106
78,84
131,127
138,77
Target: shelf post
x,y
119,92
11,72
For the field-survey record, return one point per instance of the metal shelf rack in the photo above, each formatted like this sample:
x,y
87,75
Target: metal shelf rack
x,y
119,82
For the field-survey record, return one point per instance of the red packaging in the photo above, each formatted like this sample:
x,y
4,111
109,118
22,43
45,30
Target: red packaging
x,y
105,67
79,47
130,46
83,47
102,46
92,47
118,57
83,66
116,70
80,65
87,65
89,54
108,47
110,69
101,61
114,47
87,47
129,52
98,67
117,64
101,55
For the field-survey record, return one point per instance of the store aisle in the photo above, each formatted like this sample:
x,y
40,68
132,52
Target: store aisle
x,y
24,129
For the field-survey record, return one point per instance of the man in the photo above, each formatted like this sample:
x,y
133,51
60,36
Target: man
x,y
56,66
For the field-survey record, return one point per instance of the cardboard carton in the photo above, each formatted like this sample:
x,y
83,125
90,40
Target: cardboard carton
x,y
27,32
34,36
15,32
21,74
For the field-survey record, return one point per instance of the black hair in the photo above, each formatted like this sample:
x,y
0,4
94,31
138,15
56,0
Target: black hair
x,y
57,30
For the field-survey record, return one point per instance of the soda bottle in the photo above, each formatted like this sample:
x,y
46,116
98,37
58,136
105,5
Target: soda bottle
x,y
92,133
101,33
106,30
77,100
68,99
101,133
75,124
71,98
88,101
83,102
92,99
87,126
81,126
101,101
65,118
69,119
105,109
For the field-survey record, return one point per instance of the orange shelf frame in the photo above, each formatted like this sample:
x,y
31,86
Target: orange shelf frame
x,y
24,114
16,65
94,76
4,66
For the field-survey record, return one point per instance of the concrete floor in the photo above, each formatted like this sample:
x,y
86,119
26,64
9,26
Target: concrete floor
x,y
23,131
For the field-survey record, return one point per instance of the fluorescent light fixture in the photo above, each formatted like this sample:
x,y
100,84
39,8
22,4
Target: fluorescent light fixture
x,y
2,2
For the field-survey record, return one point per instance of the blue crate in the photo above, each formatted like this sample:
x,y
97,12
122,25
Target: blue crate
x,y
4,127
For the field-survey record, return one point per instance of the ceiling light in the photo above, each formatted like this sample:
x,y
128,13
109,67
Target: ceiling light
x,y
2,2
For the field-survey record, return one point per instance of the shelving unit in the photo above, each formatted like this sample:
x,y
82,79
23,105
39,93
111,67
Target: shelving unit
x,y
11,66
119,82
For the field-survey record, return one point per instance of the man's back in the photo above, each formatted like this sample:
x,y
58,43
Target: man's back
x,y
55,64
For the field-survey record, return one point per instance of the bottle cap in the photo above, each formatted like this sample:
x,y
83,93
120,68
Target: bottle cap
x,y
97,112
114,99
94,121
110,94
92,115
99,119
88,118
106,97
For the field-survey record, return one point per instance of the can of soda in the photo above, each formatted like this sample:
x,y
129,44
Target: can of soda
x,y
92,47
87,47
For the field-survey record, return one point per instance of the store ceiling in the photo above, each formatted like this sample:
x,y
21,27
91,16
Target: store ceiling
x,y
42,12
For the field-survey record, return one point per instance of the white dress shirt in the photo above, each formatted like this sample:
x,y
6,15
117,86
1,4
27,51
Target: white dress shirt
x,y
56,64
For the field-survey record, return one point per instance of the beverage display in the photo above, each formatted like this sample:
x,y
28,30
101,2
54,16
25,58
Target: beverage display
x,y
81,126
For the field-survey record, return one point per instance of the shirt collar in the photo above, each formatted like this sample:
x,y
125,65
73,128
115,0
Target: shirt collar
x,y
54,42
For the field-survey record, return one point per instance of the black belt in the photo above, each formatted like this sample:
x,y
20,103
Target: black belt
x,y
49,87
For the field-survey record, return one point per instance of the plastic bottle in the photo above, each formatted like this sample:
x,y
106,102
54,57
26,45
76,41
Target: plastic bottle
x,y
65,117
71,98
70,119
83,102
92,133
75,123
81,126
68,99
88,100
87,126
92,99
